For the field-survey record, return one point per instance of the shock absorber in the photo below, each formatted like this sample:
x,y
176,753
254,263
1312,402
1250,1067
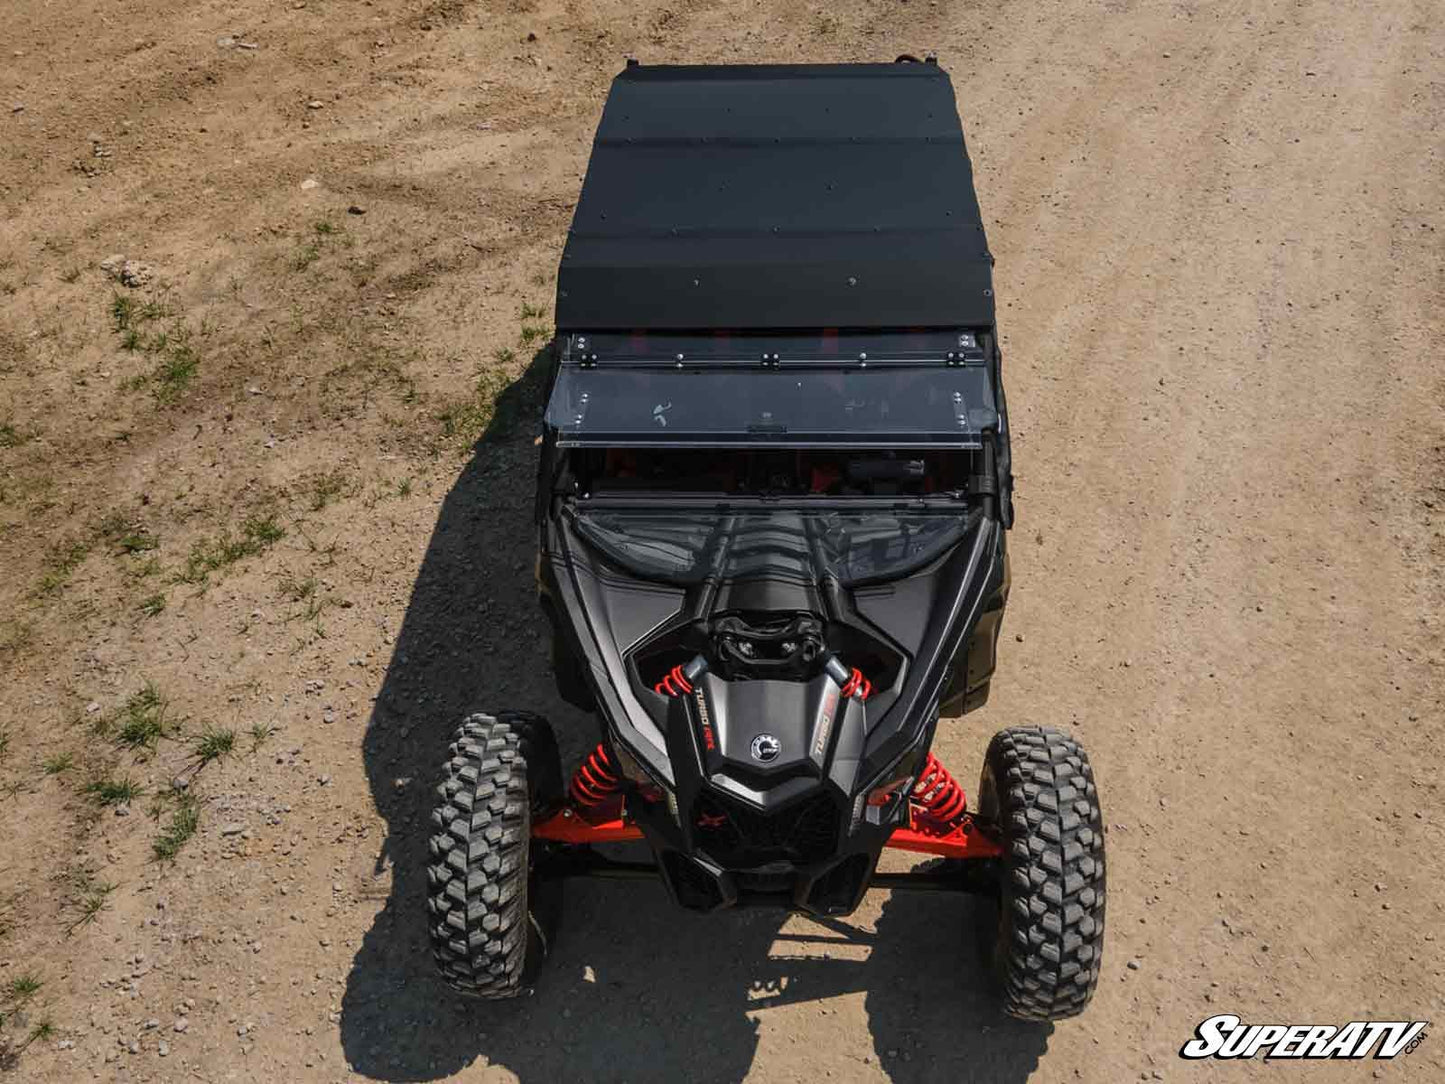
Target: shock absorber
x,y
937,794
679,680
857,685
674,684
851,682
595,782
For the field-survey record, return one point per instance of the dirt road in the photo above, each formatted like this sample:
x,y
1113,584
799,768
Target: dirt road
x,y
251,484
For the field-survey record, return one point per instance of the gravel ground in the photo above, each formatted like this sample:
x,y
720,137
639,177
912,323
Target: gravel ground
x,y
272,282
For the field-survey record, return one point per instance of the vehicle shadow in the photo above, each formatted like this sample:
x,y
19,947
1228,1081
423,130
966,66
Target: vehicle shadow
x,y
931,1006
636,989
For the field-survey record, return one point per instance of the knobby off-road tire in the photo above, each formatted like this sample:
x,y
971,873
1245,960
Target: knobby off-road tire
x,y
490,921
1045,946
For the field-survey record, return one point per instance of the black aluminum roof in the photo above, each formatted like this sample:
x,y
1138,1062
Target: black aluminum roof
x,y
775,197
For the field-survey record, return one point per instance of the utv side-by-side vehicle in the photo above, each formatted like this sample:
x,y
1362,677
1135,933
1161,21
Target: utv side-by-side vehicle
x,y
772,502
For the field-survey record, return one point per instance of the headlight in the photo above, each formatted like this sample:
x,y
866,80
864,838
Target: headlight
x,y
649,789
879,802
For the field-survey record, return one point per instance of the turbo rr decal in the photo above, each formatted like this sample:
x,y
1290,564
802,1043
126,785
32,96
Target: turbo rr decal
x,y
825,722
709,740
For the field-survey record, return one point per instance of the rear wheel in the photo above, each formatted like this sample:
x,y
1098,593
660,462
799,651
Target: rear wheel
x,y
490,920
1045,937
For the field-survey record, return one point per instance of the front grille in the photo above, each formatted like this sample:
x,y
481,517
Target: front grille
x,y
769,884
738,837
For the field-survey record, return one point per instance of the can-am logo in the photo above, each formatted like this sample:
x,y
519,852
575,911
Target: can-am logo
x,y
766,748
1227,1036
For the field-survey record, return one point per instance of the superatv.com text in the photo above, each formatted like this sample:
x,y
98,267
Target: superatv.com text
x,y
1226,1036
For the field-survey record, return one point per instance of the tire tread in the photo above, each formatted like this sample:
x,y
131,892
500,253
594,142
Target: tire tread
x,y
1050,942
499,767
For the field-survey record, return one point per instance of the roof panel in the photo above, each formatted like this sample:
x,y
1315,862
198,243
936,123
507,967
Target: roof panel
x,y
756,197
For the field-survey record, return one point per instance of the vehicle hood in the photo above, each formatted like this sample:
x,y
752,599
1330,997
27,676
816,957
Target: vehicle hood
x,y
908,579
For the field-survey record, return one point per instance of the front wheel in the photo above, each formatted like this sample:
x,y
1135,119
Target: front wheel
x,y
490,921
1047,934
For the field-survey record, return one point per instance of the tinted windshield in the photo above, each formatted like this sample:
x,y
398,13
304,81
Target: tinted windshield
x,y
900,406
686,547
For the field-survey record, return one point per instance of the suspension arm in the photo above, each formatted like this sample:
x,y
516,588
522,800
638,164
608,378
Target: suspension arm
x,y
963,838
565,826
938,820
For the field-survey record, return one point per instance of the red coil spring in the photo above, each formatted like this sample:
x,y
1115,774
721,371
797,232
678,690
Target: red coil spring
x,y
675,684
858,684
595,780
937,794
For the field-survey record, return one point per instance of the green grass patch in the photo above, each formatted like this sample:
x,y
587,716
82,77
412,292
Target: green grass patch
x,y
142,719
23,987
370,368
126,536
264,530
177,358
531,312
296,590
123,310
110,792
61,762
61,564
137,542
153,604
176,370
114,531
469,419
326,488
185,819
213,743
10,437
89,897
257,534
126,312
